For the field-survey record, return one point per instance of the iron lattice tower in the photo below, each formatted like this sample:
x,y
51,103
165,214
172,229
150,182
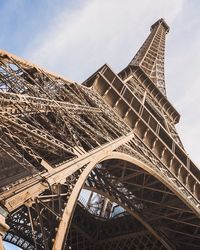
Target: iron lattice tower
x,y
113,135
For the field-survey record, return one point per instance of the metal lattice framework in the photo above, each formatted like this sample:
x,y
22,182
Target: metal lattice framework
x,y
113,135
150,57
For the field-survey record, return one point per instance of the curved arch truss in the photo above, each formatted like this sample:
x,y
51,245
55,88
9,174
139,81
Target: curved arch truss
x,y
157,216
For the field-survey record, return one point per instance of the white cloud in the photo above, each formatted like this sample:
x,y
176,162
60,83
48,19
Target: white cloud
x,y
79,40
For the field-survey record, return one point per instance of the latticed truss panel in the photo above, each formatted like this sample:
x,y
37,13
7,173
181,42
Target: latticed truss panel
x,y
139,242
37,223
149,199
46,121
154,107
91,232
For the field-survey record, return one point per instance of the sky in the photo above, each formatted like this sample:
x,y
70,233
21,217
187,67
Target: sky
x,y
73,38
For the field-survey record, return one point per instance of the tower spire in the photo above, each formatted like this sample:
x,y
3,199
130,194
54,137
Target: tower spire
x,y
150,57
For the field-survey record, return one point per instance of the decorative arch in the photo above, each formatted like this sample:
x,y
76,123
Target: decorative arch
x,y
70,207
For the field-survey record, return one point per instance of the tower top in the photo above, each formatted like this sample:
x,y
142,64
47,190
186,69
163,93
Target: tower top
x,y
150,57
162,22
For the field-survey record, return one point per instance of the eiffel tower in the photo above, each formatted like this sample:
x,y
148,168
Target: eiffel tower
x,y
113,136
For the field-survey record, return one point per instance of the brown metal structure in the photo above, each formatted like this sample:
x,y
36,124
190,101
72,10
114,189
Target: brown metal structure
x,y
113,135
